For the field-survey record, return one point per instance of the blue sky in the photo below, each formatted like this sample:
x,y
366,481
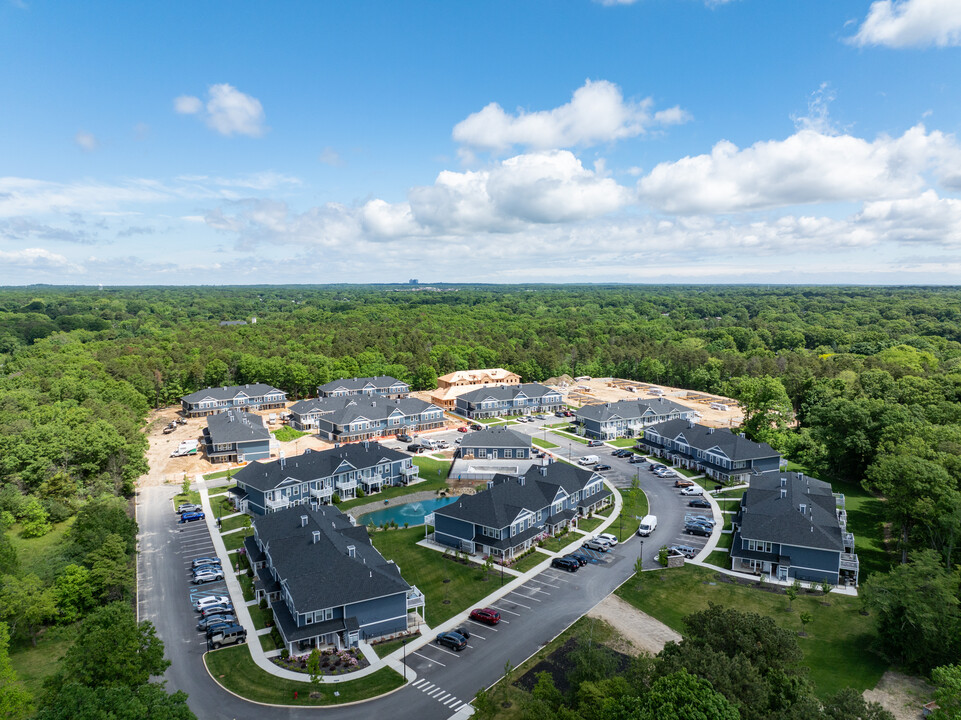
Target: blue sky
x,y
566,141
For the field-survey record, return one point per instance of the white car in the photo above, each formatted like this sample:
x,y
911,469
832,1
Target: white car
x,y
211,600
608,538
693,490
207,575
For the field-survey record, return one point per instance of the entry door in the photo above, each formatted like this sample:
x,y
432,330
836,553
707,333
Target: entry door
x,y
782,572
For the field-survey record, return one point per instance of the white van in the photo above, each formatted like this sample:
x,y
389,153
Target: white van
x,y
648,525
588,460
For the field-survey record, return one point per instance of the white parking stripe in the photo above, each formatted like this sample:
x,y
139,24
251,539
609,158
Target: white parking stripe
x,y
557,587
526,607
451,701
556,578
483,625
505,611
475,635
445,650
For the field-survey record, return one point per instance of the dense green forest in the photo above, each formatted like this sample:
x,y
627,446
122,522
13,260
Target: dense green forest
x,y
858,385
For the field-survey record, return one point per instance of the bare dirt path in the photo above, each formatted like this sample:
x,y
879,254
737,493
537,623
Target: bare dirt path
x,y
901,695
642,631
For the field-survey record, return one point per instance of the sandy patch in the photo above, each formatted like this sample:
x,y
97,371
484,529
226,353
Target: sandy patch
x,y
642,631
901,695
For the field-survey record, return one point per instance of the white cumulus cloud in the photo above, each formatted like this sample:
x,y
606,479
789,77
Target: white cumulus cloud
x,y
228,110
807,167
36,258
87,141
597,113
911,23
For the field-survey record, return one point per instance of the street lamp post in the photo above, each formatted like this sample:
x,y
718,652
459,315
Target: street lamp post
x,y
405,659
642,553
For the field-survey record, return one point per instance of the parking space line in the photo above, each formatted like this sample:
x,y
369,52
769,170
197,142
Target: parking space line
x,y
556,578
475,635
534,579
444,650
483,625
526,607
414,652
507,611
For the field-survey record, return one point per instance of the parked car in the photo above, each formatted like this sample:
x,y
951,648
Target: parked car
x,y
205,561
636,459
208,575
601,466
698,529
594,443
206,622
683,482
699,502
701,519
462,631
565,564
219,609
596,546
608,538
205,568
415,448
695,490
441,444
404,437
476,426
463,429
457,441
622,452
452,640
568,413
229,636
205,602
559,413
579,559
188,507
488,616
192,516
216,627
665,473
685,550
647,526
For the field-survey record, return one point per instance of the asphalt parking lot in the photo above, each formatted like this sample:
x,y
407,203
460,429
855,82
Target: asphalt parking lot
x,y
193,541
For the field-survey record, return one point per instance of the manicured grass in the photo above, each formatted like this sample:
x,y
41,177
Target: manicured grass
x,y
267,642
687,473
247,585
34,664
865,520
735,494
217,474
215,491
235,522
725,540
236,540
590,524
635,507
287,434
545,444
235,670
486,421
258,616
836,649
557,425
192,497
555,544
386,648
575,438
531,561
221,506
721,559
728,521
427,569
622,442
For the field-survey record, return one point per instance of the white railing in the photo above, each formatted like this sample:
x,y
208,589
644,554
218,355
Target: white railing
x,y
429,519
346,484
415,598
849,561
322,493
280,504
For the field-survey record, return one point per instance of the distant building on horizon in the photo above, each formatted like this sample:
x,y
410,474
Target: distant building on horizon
x,y
412,281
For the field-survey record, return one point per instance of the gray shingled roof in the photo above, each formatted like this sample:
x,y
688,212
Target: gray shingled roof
x,y
233,426
343,410
767,516
701,437
229,393
496,437
507,392
501,503
321,574
314,465
358,384
630,409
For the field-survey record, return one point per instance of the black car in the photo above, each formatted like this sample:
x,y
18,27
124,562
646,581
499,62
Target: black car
x,y
565,564
579,559
206,622
602,466
462,631
452,640
415,448
699,503
404,437
476,426
698,529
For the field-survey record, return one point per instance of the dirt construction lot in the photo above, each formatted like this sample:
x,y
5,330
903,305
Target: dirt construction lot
x,y
601,390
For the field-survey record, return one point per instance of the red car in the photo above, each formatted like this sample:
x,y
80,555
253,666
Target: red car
x,y
489,616
463,428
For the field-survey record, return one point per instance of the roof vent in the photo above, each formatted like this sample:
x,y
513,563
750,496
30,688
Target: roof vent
x,y
710,431
803,508
316,535
351,551
373,403
520,480
543,470
303,521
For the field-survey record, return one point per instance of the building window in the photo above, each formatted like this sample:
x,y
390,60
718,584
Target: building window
x,y
508,454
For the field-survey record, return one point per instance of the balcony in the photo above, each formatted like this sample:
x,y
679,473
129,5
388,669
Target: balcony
x,y
323,494
409,472
346,484
375,482
849,561
415,598
848,539
280,504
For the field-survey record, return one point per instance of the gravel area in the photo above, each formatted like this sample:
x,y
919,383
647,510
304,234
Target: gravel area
x,y
901,695
644,633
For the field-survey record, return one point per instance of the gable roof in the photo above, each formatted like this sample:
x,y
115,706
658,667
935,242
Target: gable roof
x,y
232,391
630,409
479,377
346,409
507,392
358,384
233,426
701,437
497,437
314,465
507,496
766,515
322,574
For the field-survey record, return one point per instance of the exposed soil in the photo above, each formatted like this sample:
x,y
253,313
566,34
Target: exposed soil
x,y
643,633
901,695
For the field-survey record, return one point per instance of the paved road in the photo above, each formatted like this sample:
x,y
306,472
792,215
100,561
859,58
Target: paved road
x,y
534,614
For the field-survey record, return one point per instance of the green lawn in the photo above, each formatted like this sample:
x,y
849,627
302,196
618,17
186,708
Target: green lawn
x,y
623,442
590,524
386,648
575,438
839,637
688,473
238,521
557,425
730,494
432,482
545,444
486,421
37,553
555,544
191,497
217,474
725,541
235,540
221,506
247,585
258,616
34,664
427,569
865,520
635,507
287,434
532,560
728,521
721,559
267,642
235,670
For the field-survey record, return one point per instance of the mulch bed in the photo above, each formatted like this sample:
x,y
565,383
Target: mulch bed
x,y
560,665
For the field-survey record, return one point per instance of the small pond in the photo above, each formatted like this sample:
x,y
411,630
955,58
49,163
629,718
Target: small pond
x,y
410,513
